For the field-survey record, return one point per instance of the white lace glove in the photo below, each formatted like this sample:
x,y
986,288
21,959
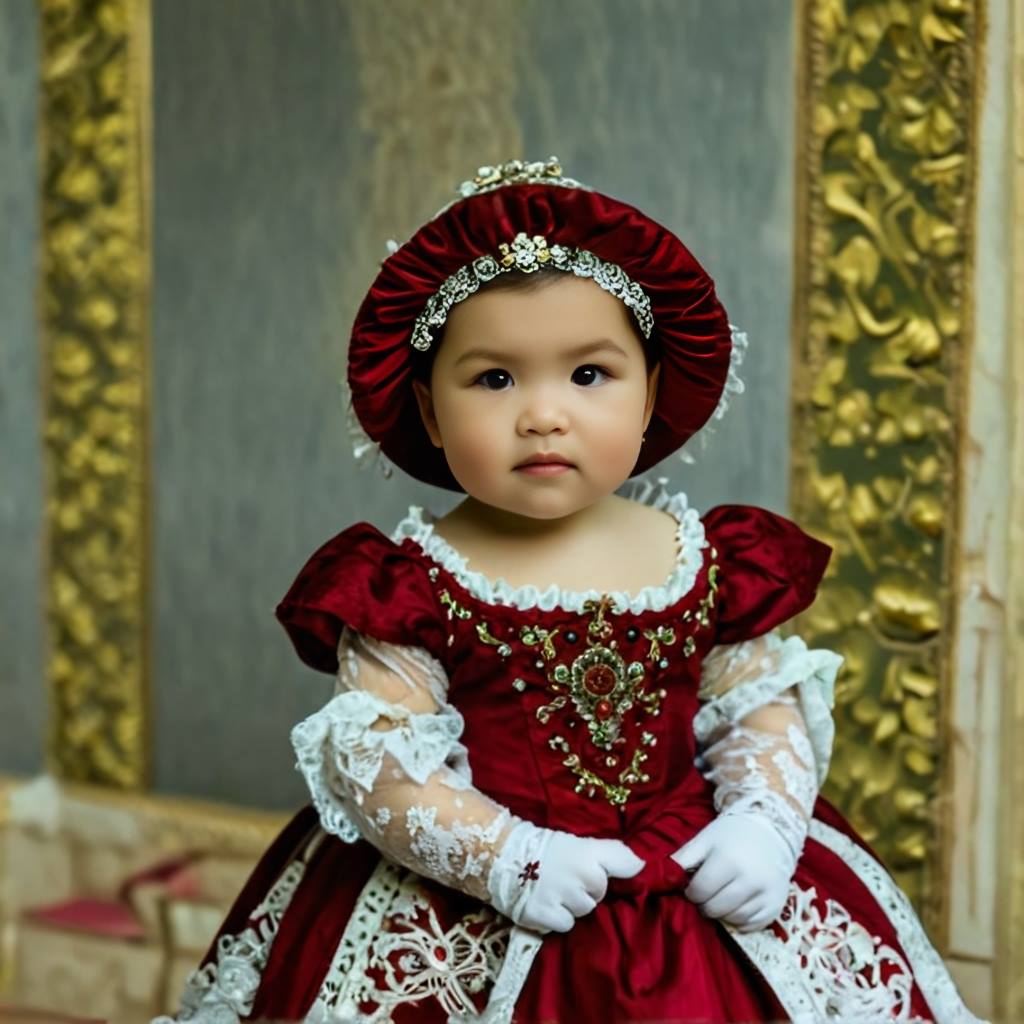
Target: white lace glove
x,y
544,879
745,870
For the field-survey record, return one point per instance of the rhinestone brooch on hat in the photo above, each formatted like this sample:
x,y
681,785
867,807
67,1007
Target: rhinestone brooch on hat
x,y
527,254
518,172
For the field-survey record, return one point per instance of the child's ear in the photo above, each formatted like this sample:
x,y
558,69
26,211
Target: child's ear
x,y
426,404
652,393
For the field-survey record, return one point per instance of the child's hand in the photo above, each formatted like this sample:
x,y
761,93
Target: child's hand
x,y
745,870
544,879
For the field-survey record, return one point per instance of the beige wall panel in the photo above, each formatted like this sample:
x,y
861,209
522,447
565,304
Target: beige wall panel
x,y
979,667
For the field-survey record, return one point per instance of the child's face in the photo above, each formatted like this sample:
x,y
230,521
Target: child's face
x,y
556,370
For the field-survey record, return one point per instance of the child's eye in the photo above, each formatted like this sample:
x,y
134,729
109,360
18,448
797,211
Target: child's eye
x,y
588,375
494,380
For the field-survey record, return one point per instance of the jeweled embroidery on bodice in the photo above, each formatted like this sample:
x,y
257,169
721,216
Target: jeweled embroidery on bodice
x,y
601,688
583,678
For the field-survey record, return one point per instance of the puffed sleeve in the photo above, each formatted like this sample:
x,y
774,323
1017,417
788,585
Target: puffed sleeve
x,y
363,580
770,569
764,730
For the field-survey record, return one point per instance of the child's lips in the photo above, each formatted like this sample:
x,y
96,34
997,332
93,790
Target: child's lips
x,y
544,468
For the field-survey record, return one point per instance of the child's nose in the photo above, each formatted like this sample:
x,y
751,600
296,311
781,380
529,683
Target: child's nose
x,y
542,414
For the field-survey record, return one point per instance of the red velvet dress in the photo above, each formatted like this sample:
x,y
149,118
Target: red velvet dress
x,y
301,942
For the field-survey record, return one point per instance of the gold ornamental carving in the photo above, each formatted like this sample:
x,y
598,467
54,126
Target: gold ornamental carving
x,y
882,333
94,316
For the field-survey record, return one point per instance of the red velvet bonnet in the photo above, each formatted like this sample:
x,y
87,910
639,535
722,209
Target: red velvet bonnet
x,y
691,333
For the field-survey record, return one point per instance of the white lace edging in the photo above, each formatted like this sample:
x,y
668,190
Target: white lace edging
x,y
223,991
733,382
812,672
845,974
338,751
471,959
365,450
930,973
340,991
690,542
841,979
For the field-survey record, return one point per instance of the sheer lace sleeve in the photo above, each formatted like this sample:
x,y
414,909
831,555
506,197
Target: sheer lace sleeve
x,y
765,729
383,762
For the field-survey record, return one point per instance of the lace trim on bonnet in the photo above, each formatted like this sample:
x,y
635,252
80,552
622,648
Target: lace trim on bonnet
x,y
690,542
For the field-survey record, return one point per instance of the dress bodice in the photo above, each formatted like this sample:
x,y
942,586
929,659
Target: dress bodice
x,y
578,706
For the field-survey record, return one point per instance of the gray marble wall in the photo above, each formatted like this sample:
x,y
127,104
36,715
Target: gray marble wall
x,y
22,698
254,138
685,108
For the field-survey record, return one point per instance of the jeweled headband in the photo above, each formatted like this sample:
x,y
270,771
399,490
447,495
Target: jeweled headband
x,y
522,217
528,255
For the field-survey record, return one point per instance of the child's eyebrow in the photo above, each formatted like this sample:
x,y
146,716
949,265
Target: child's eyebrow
x,y
589,348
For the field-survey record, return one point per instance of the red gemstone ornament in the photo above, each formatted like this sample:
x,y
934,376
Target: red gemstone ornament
x,y
600,680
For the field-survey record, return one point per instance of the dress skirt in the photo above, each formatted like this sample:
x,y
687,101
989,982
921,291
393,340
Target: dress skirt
x,y
331,931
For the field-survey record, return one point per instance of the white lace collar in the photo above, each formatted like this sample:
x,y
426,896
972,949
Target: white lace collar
x,y
690,541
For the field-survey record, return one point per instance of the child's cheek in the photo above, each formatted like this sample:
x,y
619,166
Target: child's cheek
x,y
474,447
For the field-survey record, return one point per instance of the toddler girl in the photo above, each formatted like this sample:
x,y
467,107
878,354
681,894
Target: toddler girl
x,y
570,769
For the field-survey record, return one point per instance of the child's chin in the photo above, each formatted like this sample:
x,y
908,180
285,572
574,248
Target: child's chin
x,y
549,502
